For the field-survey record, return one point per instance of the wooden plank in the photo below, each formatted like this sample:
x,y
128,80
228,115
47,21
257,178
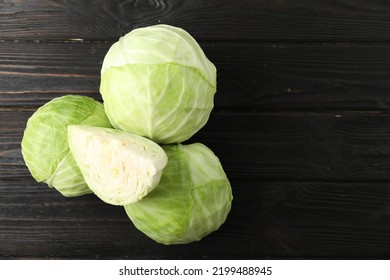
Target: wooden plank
x,y
302,76
265,146
250,76
325,220
337,146
267,220
34,73
289,20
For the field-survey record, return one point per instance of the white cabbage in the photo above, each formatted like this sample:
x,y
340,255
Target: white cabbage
x,y
157,82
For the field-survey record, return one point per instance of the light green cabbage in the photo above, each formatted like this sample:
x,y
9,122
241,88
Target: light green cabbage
x,y
158,87
45,146
157,82
192,199
119,167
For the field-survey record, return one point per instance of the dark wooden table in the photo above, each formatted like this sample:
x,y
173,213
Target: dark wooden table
x,y
301,124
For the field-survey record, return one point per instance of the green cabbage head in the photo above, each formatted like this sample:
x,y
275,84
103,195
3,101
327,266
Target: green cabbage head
x,y
45,146
193,197
157,82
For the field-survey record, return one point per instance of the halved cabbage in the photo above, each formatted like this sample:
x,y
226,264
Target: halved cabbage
x,y
119,167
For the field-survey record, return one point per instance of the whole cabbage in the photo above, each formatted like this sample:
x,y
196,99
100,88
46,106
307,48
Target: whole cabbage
x,y
45,143
192,199
157,82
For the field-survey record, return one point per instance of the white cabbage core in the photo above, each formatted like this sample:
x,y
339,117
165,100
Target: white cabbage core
x,y
119,167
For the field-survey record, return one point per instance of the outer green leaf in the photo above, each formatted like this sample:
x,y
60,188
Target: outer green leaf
x,y
165,102
159,44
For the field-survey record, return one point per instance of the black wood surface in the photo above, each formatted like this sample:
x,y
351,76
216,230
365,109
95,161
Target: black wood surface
x,y
301,124
249,20
251,76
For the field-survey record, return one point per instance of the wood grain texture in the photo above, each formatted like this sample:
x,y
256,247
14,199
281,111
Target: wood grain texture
x,y
251,76
300,124
268,220
31,74
328,220
260,20
348,147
